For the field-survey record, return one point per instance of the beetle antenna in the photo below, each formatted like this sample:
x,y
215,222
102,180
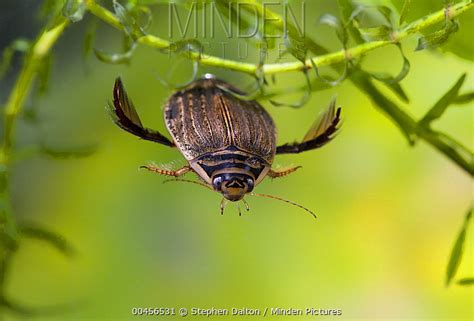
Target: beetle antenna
x,y
186,181
286,201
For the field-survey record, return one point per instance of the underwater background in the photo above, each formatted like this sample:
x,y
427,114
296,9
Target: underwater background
x,y
388,213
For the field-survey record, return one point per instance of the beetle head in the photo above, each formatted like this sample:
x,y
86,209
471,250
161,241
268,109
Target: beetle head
x,y
233,186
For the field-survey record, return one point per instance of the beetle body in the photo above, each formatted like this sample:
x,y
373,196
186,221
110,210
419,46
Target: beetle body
x,y
229,142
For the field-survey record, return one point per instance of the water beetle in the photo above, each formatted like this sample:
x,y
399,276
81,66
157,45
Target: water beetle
x,y
230,143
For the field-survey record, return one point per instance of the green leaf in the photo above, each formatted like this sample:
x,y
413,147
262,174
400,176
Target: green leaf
x,y
142,17
331,82
347,11
343,37
405,10
114,58
314,47
296,48
440,107
457,251
461,43
453,149
375,33
456,256
379,22
335,23
303,100
184,47
20,45
346,8
315,86
384,77
50,8
52,238
125,18
129,21
74,10
437,38
411,10
466,281
118,58
464,98
396,88
188,46
387,13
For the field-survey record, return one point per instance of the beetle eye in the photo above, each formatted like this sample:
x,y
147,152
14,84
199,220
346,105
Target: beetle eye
x,y
249,185
217,183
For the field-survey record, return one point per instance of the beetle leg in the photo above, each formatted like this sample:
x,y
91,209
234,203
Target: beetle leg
x,y
223,204
318,135
280,173
126,117
176,173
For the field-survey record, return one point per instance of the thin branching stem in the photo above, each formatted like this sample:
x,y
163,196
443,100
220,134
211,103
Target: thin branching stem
x,y
455,151
452,149
24,83
393,111
13,107
20,92
323,60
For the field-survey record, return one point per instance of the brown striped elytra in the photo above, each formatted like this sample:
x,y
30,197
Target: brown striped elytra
x,y
230,143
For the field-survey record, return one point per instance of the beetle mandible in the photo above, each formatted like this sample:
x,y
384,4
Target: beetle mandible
x,y
230,143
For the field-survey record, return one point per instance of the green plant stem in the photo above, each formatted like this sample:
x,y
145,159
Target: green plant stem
x,y
159,43
322,60
14,105
404,120
393,111
444,144
24,83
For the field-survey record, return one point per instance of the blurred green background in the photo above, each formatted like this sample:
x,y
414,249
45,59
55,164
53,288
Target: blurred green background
x,y
388,213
